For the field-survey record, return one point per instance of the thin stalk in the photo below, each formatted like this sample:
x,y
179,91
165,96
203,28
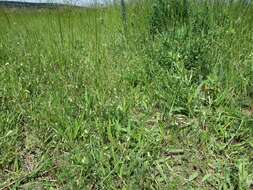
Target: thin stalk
x,y
124,15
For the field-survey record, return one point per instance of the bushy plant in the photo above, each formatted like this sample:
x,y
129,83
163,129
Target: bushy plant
x,y
197,59
168,13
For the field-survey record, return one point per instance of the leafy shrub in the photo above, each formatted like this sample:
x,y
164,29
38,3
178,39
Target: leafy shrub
x,y
167,13
197,59
193,56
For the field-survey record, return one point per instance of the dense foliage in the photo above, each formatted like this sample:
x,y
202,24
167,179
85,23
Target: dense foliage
x,y
166,103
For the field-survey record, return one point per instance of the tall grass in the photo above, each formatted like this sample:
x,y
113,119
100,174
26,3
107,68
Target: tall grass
x,y
165,104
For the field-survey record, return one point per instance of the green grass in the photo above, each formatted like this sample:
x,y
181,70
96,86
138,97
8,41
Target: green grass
x,y
84,105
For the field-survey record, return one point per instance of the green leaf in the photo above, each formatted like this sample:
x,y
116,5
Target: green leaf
x,y
193,176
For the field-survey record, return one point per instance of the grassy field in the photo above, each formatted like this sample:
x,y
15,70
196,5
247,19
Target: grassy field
x,y
166,103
